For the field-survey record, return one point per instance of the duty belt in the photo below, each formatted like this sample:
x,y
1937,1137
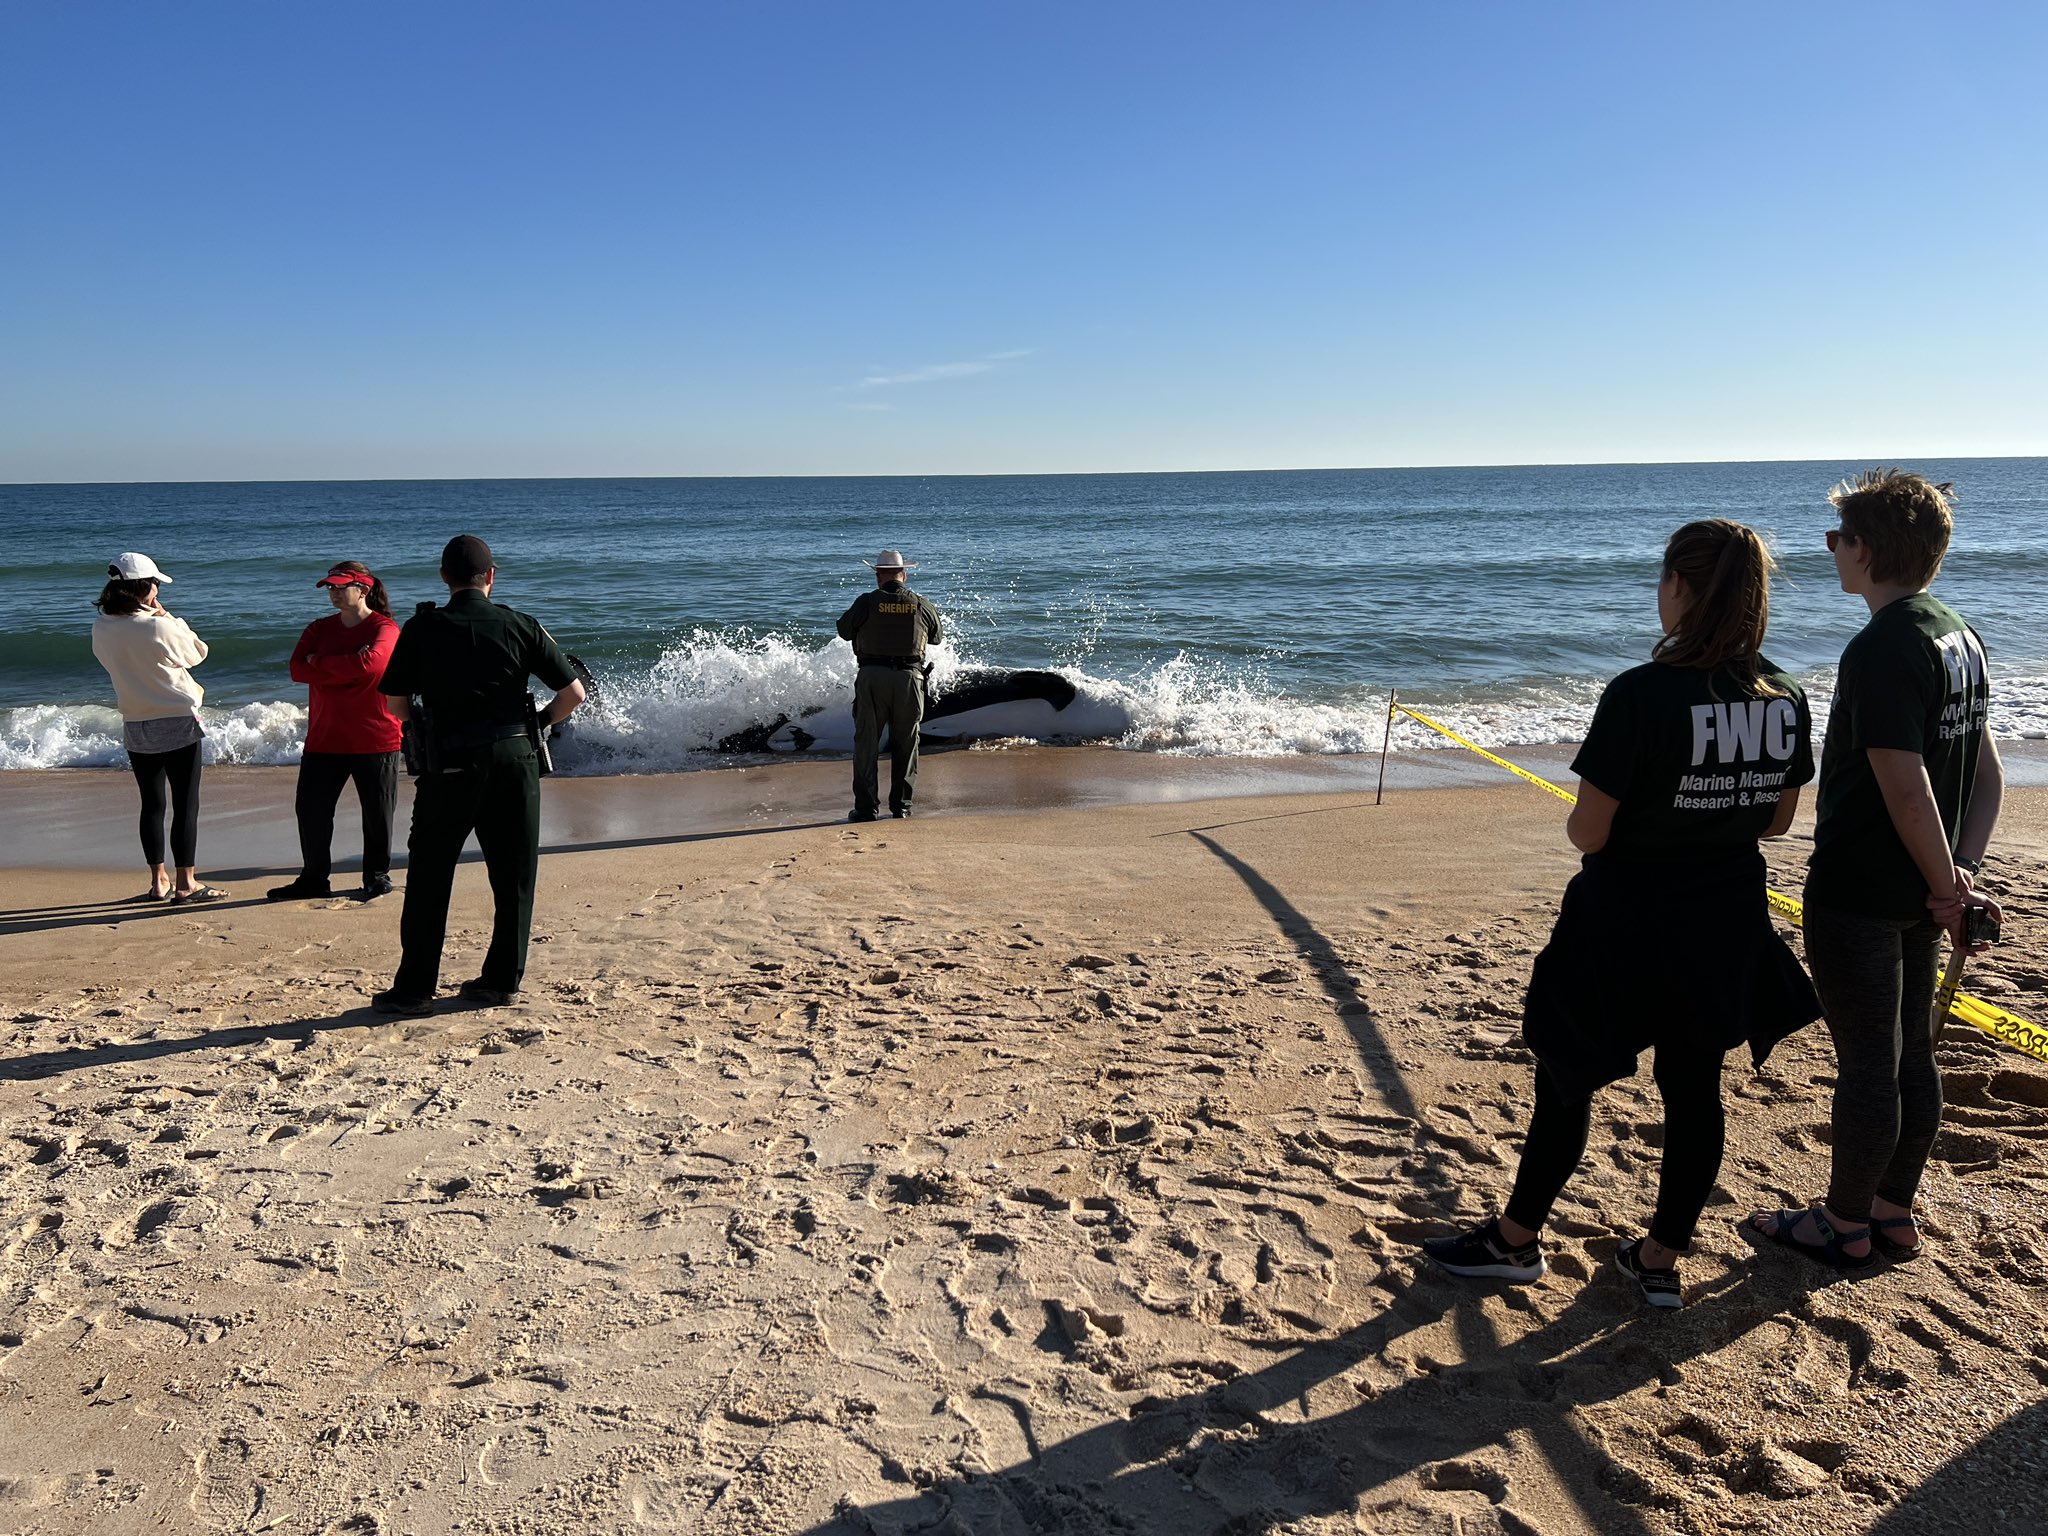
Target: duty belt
x,y
467,738
901,663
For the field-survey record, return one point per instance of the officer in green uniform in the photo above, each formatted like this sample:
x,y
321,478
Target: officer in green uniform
x,y
889,629
474,743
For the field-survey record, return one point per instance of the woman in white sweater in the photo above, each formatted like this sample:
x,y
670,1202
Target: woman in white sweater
x,y
147,653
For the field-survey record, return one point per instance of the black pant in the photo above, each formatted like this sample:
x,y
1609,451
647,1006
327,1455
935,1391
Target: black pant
x,y
175,774
321,775
498,798
891,699
1877,980
1689,1078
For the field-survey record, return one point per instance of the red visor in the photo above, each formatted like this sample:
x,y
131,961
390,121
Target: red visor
x,y
346,579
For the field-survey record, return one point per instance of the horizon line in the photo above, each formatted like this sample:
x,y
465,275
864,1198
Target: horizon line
x,y
1032,474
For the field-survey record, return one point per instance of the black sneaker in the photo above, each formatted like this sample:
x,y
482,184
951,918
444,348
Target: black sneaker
x,y
391,1001
860,815
901,813
474,991
1660,1287
375,886
1481,1253
300,889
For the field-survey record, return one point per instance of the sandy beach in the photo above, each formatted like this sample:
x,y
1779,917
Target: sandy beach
x,y
1052,1162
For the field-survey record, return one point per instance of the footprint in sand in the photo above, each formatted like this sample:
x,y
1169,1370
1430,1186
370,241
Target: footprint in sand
x,y
225,1492
38,1241
1465,1475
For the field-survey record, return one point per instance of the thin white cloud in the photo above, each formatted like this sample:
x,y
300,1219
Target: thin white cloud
x,y
926,374
934,371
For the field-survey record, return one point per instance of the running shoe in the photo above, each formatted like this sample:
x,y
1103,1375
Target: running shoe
x,y
1481,1253
1660,1287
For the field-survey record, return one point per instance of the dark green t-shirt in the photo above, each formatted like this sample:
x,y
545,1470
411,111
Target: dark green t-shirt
x,y
1913,680
470,658
1697,762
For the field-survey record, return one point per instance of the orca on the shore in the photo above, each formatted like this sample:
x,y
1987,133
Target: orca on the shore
x,y
583,676
977,704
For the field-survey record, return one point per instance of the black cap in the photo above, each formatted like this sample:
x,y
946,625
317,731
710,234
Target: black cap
x,y
465,558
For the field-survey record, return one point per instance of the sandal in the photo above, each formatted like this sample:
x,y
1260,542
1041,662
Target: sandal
x,y
198,893
1891,1247
1828,1250
152,894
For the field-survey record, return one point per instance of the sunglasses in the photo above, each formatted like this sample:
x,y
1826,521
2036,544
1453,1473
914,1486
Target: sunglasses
x,y
1835,537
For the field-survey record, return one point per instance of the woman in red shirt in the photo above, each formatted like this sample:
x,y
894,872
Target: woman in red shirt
x,y
349,733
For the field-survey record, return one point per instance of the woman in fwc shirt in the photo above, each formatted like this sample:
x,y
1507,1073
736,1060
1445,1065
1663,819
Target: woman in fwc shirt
x,y
350,735
1910,785
1664,940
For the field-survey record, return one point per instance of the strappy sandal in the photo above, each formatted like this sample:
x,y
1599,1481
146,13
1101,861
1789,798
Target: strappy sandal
x,y
198,893
152,894
1828,1250
1894,1250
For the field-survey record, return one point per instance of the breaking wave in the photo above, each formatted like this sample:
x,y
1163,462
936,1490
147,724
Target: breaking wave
x,y
673,714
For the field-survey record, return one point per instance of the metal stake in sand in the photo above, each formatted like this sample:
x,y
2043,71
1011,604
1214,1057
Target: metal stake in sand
x,y
1380,793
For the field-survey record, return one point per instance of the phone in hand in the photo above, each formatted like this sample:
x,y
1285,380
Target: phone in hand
x,y
1979,926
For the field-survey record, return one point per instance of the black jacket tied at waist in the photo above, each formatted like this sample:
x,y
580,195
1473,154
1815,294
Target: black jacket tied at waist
x,y
1646,953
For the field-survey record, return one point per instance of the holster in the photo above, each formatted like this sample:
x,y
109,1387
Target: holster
x,y
417,741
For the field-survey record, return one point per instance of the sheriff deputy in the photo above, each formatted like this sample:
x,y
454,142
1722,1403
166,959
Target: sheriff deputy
x,y
477,741
889,629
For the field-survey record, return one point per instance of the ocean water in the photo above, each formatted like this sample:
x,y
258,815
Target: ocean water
x,y
1247,615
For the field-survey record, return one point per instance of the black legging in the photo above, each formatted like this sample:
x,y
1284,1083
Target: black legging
x,y
321,775
1689,1078
176,775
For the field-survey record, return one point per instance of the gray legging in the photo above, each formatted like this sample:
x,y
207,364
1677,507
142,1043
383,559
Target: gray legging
x,y
1876,977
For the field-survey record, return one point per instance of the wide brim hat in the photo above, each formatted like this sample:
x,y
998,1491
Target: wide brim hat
x,y
890,560
133,567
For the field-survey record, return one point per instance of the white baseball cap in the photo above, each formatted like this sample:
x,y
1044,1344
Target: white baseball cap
x,y
889,560
134,567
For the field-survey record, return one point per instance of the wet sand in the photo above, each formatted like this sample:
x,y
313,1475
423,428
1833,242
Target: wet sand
x,y
85,818
1056,1168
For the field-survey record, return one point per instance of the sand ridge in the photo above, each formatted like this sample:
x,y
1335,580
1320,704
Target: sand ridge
x,y
978,1174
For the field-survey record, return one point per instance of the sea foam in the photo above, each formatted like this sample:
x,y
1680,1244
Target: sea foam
x,y
709,685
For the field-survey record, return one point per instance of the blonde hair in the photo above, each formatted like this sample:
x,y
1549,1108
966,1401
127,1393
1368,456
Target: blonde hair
x,y
1727,571
1903,519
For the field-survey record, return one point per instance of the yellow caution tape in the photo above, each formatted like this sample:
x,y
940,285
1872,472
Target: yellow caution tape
x,y
2007,1028
1521,773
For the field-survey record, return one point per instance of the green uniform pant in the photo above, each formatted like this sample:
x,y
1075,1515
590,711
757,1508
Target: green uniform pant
x,y
891,697
498,798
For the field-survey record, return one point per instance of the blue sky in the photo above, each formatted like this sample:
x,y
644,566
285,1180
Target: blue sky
x,y
454,238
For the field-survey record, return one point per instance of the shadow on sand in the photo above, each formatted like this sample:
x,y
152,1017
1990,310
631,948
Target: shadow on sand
x,y
1236,1457
84,1058
125,909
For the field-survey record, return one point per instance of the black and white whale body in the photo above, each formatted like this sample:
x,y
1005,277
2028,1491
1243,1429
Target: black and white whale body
x,y
977,704
564,728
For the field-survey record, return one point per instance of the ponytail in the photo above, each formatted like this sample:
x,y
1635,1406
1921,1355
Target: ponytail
x,y
378,600
1727,574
